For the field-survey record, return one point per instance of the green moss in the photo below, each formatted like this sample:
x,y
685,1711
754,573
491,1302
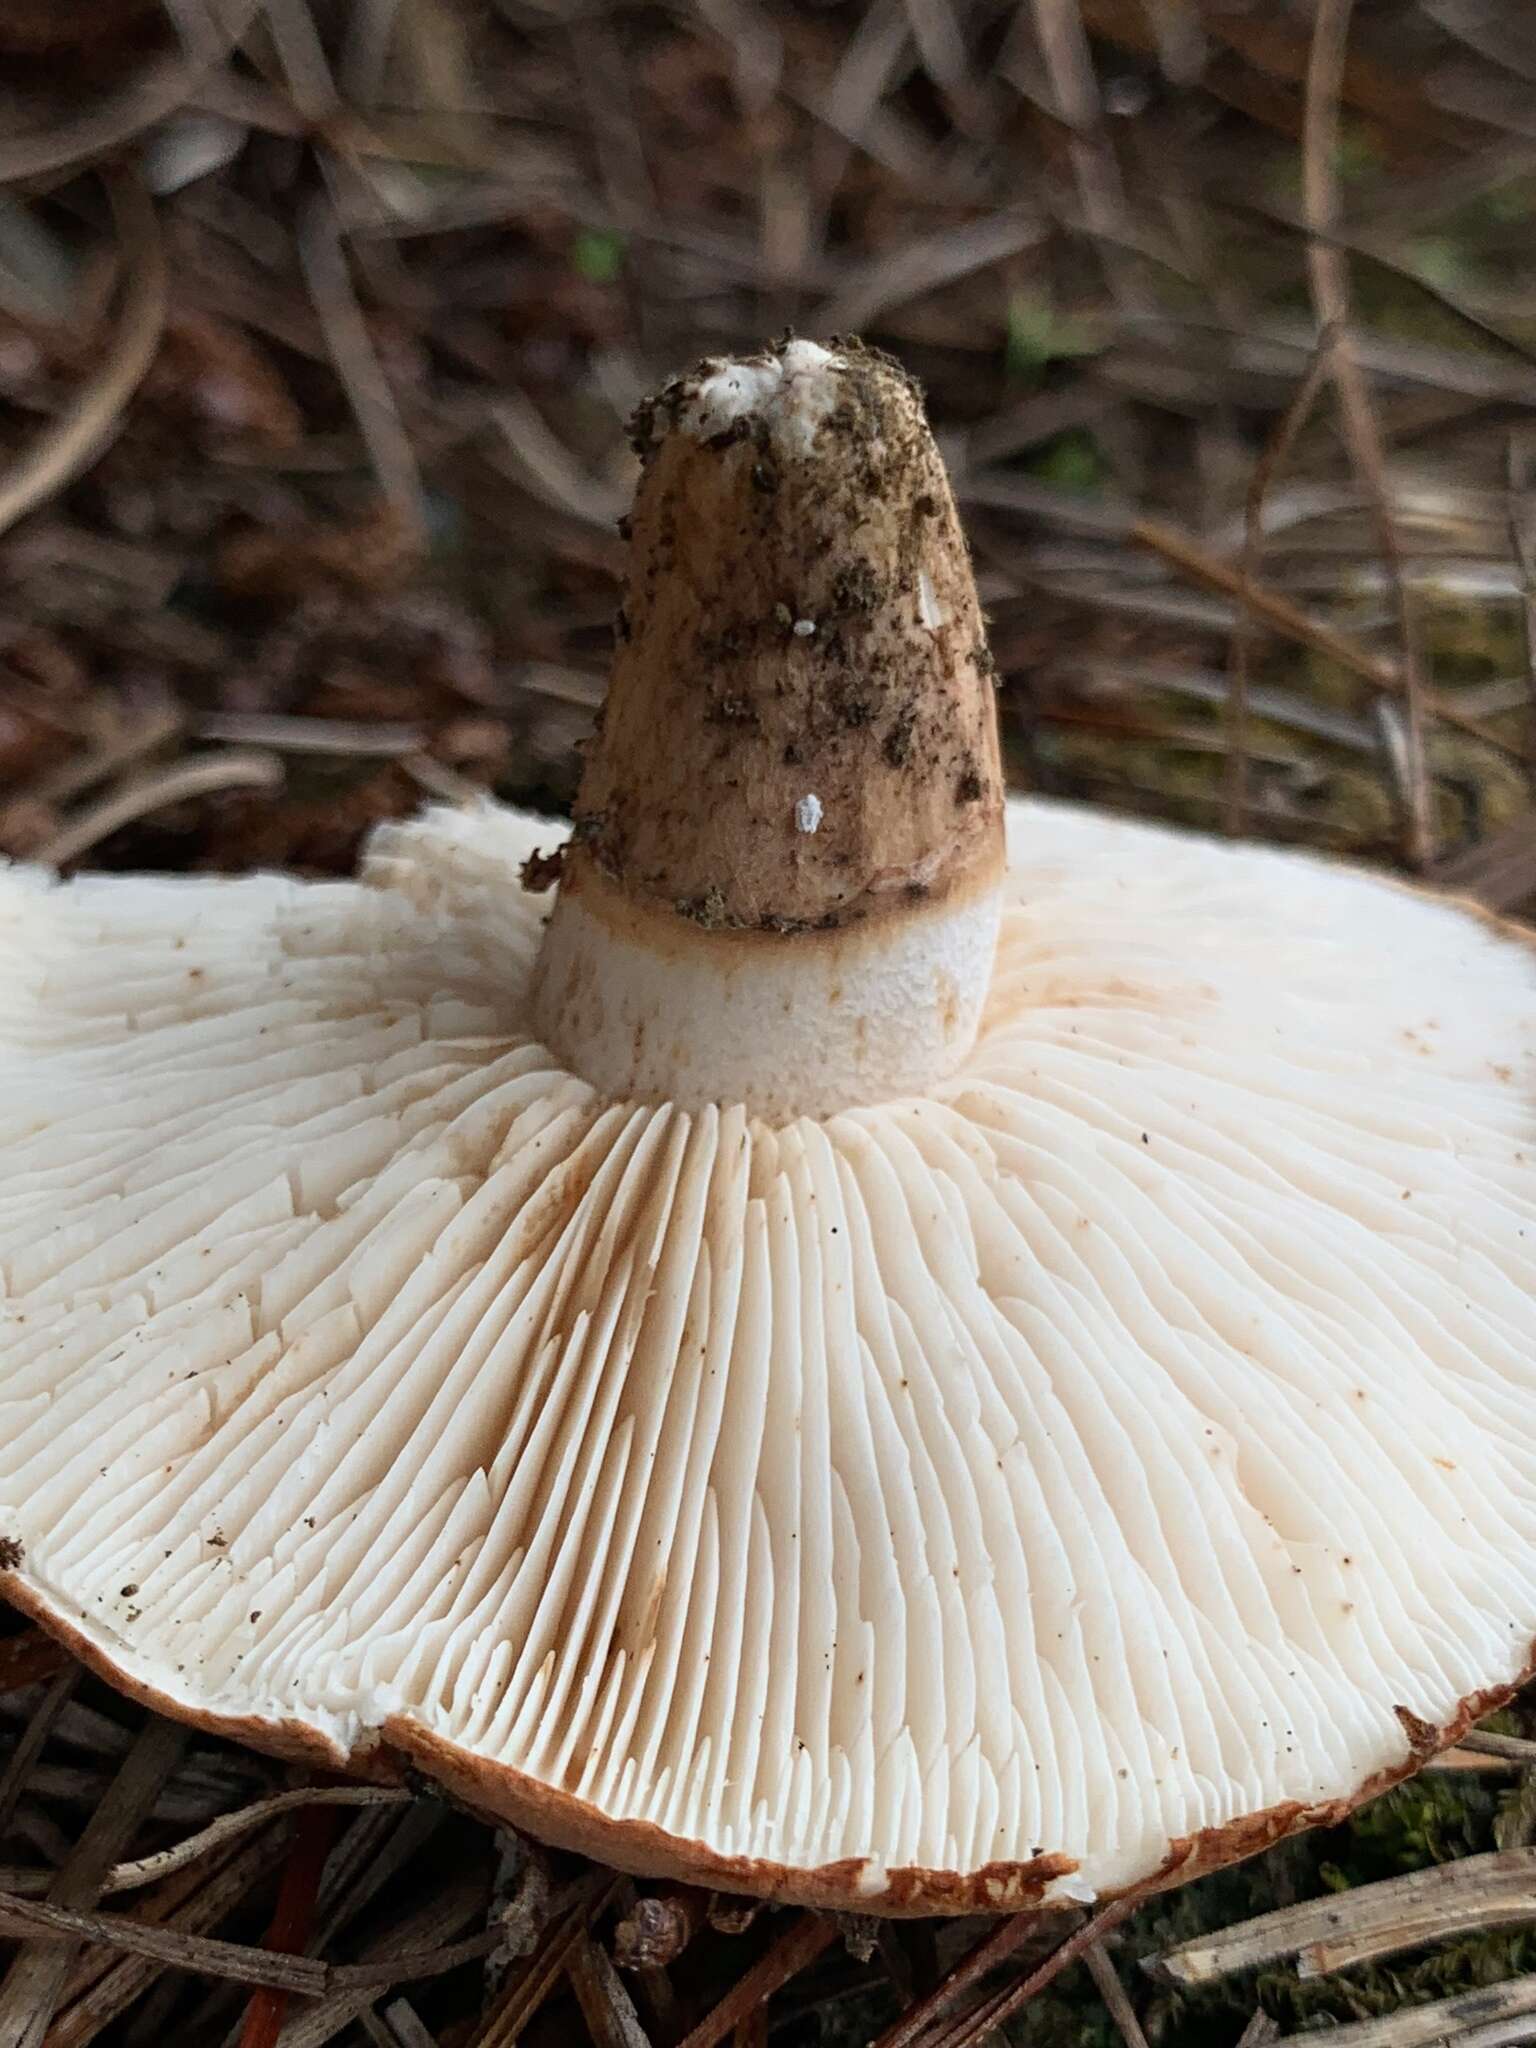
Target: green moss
x,y
1039,334
1472,640
1432,1819
1159,749
1356,158
1070,461
597,256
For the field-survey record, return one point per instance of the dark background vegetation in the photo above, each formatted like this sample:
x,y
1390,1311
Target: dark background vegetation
x,y
319,324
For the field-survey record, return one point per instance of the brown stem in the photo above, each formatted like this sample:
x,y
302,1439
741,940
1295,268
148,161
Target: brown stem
x,y
800,728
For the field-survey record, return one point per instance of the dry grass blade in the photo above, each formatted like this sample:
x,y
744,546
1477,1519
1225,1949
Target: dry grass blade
x,y
545,467
1522,539
940,42
302,56
1459,1759
606,2006
95,414
1374,1920
153,792
794,1949
912,268
1505,39
1259,2032
1069,66
865,69
1181,45
402,2026
988,1953
1277,453
36,1977
49,1924
163,87
1328,275
1500,873
370,33
1271,347
108,1982
977,2024
1497,2034
18,1771
375,1849
1393,253
1103,513
1207,686
1485,2018
605,83
28,1658
138,738
1514,1749
451,1908
1106,1979
293,1919
239,1962
357,364
408,1964
441,781
1186,554
356,740
533,1980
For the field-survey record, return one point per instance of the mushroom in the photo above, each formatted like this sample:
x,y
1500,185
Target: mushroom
x,y
844,1366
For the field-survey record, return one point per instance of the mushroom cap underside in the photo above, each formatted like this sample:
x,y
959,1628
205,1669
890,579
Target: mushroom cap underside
x,y
1075,1476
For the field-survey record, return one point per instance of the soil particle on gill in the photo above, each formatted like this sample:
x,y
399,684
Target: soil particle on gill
x,y
541,870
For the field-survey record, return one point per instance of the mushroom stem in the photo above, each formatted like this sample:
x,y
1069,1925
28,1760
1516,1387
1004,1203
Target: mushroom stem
x,y
782,886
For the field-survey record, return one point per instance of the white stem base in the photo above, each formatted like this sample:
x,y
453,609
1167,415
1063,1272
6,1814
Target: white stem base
x,y
648,1007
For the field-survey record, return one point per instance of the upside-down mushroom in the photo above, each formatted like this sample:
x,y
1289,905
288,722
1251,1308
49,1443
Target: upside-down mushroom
x,y
833,1357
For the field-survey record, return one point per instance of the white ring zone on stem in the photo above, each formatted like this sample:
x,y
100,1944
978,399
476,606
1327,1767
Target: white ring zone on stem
x,y
650,1008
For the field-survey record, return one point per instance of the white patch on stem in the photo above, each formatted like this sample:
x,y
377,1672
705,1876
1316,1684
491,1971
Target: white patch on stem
x,y
929,611
808,813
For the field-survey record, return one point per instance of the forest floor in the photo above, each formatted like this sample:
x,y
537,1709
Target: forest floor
x,y
320,321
